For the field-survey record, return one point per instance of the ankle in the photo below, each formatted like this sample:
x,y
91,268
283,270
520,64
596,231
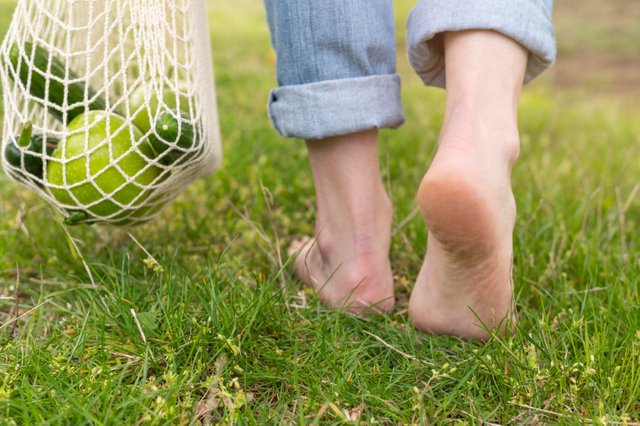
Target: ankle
x,y
361,221
471,128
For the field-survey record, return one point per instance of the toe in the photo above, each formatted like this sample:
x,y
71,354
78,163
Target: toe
x,y
300,249
297,245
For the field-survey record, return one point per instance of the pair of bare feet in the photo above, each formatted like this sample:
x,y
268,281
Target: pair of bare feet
x,y
464,287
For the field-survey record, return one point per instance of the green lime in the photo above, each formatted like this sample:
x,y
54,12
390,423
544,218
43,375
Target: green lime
x,y
87,169
144,112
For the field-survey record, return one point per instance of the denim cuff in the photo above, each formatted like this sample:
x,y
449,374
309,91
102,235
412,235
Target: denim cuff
x,y
526,21
336,107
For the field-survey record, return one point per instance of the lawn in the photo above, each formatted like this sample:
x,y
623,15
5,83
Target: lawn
x,y
196,317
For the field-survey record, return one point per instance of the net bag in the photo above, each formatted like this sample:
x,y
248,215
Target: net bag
x,y
109,105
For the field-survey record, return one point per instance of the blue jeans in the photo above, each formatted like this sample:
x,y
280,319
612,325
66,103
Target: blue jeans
x,y
336,59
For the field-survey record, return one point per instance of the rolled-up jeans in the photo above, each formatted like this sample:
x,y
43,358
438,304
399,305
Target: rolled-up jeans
x,y
336,59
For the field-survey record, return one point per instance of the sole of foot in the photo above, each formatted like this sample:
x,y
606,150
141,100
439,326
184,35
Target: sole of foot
x,y
464,287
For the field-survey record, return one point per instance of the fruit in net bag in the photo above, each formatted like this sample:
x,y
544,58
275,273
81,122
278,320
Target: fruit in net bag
x,y
103,169
44,74
27,154
143,103
173,139
127,92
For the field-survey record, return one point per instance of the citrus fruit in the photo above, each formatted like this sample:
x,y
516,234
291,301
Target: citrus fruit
x,y
97,166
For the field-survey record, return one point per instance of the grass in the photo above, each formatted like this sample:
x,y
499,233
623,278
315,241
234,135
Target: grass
x,y
208,324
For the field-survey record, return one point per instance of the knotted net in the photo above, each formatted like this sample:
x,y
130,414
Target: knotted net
x,y
109,105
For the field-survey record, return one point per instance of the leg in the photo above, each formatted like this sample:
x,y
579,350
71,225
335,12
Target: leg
x,y
466,197
336,68
348,260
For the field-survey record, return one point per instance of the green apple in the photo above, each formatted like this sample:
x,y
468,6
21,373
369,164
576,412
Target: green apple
x,y
90,169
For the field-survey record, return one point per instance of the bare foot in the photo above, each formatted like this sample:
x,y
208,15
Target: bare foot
x,y
348,260
350,270
466,200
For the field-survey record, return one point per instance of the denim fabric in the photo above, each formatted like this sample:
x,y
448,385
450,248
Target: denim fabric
x,y
336,63
336,58
526,21
336,107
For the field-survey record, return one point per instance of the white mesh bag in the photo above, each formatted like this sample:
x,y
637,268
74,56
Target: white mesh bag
x,y
109,105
